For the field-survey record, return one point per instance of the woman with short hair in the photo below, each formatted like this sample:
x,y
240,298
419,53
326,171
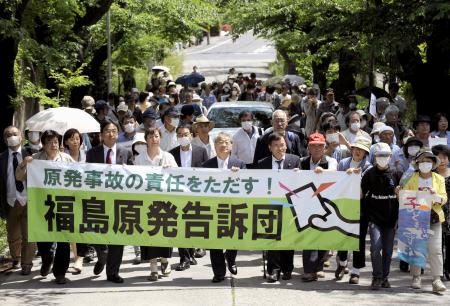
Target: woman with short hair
x,y
51,143
154,156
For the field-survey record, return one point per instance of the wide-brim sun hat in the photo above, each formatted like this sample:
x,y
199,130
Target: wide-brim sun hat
x,y
362,143
421,155
202,119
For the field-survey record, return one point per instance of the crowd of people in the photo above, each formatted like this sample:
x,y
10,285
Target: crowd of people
x,y
167,126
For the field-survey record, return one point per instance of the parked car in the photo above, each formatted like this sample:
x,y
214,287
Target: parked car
x,y
226,115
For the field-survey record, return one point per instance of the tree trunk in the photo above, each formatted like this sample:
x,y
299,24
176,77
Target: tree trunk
x,y
95,71
290,65
428,80
128,80
346,82
8,91
8,52
320,70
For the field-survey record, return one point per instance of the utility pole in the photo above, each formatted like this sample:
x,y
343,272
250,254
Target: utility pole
x,y
108,34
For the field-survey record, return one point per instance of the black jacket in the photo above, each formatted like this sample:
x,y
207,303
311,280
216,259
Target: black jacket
x,y
199,156
232,162
305,163
294,146
379,203
96,155
290,162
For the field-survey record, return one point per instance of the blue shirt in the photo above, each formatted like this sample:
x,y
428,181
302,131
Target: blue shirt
x,y
209,100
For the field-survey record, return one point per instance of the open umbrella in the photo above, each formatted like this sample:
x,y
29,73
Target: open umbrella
x,y
190,79
61,119
292,78
161,68
378,92
273,81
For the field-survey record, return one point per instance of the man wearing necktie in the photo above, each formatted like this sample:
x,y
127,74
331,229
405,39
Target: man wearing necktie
x,y
279,261
223,160
187,155
13,201
109,153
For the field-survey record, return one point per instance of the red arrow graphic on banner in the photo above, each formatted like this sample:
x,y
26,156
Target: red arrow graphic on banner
x,y
322,187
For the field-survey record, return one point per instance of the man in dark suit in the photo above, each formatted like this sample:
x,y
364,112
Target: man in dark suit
x,y
279,261
187,155
13,200
223,160
294,145
109,153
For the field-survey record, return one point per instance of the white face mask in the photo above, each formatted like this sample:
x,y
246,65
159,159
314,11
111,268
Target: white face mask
x,y
382,161
141,149
376,138
129,128
363,123
174,122
247,125
184,141
33,136
425,167
36,146
355,126
412,150
13,141
332,138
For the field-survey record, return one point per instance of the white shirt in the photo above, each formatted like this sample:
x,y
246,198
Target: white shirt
x,y
113,153
244,146
11,192
354,164
351,137
275,163
222,164
163,159
425,183
209,146
186,157
168,139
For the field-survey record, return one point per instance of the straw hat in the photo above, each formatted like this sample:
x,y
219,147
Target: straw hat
x,y
202,119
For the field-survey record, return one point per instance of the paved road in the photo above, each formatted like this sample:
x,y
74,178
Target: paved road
x,y
194,287
247,54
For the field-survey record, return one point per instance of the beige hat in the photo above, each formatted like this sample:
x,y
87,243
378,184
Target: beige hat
x,y
87,102
376,127
122,107
382,149
202,119
361,112
196,98
362,143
